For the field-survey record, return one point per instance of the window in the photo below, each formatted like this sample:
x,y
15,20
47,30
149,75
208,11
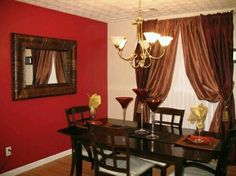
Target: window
x,y
234,55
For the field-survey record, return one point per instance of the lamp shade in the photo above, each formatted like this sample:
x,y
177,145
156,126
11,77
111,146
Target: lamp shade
x,y
165,40
142,58
151,37
119,41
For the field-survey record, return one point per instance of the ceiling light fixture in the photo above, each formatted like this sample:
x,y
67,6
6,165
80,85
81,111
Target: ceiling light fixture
x,y
143,58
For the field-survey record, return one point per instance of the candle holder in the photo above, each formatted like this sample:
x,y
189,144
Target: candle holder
x,y
153,105
124,102
92,120
200,127
142,95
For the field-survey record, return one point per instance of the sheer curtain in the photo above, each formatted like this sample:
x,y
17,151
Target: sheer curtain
x,y
182,95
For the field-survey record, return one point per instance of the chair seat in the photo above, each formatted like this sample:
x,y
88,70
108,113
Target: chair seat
x,y
195,171
137,166
162,164
159,165
84,151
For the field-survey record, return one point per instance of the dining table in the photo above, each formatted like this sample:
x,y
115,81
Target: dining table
x,y
173,146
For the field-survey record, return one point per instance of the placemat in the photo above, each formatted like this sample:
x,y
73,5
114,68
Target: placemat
x,y
207,143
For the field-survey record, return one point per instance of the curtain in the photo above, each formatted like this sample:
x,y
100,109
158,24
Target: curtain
x,y
44,66
158,77
201,67
196,59
218,31
182,94
60,62
35,61
141,81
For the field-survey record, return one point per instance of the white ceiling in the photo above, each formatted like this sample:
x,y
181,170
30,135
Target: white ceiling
x,y
117,10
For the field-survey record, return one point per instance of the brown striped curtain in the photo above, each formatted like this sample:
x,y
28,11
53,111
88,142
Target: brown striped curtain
x,y
158,77
197,63
35,62
44,67
60,62
218,31
207,46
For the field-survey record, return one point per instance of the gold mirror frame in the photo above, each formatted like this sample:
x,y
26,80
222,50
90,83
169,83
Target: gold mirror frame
x,y
20,90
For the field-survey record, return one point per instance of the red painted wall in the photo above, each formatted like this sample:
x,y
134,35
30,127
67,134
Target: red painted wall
x,y
30,126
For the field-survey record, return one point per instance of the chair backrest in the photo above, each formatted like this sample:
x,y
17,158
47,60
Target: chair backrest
x,y
227,147
114,139
76,114
169,117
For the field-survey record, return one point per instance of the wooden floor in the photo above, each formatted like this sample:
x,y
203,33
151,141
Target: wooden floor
x,y
61,167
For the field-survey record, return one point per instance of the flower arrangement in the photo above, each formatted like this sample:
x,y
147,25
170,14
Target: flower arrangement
x,y
198,115
94,102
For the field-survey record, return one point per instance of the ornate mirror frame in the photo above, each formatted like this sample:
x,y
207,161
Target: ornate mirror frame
x,y
20,90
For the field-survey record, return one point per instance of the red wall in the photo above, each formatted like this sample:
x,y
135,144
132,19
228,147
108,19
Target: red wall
x,y
30,126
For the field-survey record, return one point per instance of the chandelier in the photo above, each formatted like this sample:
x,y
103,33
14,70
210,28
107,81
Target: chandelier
x,y
141,57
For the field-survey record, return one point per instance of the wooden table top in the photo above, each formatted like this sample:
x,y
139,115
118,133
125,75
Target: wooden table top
x,y
166,148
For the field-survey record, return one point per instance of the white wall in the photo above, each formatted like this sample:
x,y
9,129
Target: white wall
x,y
234,30
235,63
28,71
121,79
121,76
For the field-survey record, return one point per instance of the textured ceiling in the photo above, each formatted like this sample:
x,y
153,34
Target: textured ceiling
x,y
117,10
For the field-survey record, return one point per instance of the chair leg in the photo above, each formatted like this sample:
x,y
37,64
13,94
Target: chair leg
x,y
92,165
163,172
90,155
162,169
72,164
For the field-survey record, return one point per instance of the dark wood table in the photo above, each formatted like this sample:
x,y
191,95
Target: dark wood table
x,y
163,149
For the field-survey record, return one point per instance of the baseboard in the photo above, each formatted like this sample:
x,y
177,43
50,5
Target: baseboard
x,y
36,164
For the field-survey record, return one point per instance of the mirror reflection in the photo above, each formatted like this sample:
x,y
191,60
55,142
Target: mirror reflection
x,y
44,66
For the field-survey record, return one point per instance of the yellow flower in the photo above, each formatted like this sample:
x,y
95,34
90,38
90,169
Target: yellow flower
x,y
94,102
198,113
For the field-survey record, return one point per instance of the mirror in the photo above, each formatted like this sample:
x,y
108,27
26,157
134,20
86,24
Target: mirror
x,y
42,66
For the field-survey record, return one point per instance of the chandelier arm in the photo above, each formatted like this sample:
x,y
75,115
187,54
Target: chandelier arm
x,y
133,66
130,58
143,57
132,63
159,57
150,62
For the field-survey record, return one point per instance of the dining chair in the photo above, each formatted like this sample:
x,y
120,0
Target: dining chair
x,y
75,116
217,167
171,117
166,116
119,162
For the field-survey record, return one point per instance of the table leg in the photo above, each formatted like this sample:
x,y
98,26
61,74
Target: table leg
x,y
78,158
179,167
